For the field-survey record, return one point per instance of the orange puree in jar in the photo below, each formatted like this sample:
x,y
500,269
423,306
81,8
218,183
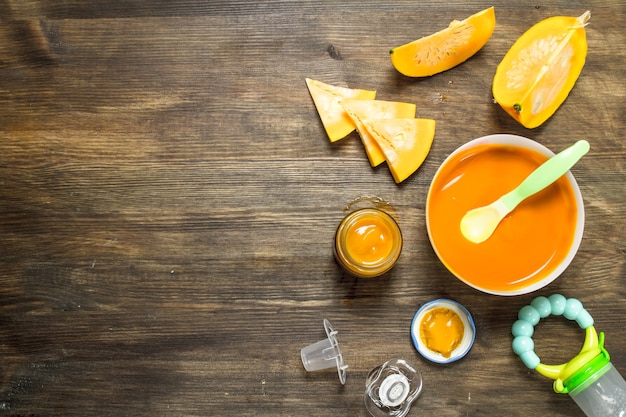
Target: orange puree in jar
x,y
368,243
527,245
369,240
442,330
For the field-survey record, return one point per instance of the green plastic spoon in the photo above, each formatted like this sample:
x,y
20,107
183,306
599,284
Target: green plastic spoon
x,y
478,224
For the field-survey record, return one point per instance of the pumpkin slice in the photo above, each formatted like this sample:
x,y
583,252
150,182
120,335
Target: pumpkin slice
x,y
536,75
447,48
405,143
360,110
326,97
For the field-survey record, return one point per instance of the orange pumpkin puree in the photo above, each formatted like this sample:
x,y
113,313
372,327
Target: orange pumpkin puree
x,y
527,245
442,330
369,240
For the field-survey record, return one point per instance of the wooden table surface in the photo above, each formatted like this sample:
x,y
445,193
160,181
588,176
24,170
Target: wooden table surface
x,y
168,202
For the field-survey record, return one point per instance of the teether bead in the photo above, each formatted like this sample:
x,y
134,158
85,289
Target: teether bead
x,y
584,319
522,328
557,302
529,314
572,308
528,317
530,359
542,305
523,344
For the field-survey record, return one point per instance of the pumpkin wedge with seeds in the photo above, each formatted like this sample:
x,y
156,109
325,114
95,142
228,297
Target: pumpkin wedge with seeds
x,y
445,49
537,74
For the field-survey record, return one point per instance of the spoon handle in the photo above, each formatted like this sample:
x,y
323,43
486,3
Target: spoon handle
x,y
547,173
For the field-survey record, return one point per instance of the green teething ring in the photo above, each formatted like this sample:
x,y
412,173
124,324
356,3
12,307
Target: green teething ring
x,y
564,375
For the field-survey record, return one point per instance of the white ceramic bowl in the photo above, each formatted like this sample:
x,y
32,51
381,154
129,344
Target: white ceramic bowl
x,y
469,331
543,278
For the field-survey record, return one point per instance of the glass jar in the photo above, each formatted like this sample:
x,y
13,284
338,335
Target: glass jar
x,y
368,243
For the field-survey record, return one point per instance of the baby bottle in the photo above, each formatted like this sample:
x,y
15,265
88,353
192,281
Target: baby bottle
x,y
589,378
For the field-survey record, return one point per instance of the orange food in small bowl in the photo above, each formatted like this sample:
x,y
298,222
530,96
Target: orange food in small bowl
x,y
532,246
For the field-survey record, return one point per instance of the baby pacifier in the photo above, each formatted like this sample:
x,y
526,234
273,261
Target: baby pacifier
x,y
391,388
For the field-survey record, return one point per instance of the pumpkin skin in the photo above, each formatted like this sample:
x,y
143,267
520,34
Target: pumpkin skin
x,y
445,49
538,72
326,98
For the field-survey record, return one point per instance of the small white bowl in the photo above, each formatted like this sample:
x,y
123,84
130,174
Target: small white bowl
x,y
469,333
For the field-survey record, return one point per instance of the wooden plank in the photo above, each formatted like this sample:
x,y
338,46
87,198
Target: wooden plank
x,y
168,201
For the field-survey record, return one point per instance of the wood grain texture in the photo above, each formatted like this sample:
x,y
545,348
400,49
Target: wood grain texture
x,y
168,199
